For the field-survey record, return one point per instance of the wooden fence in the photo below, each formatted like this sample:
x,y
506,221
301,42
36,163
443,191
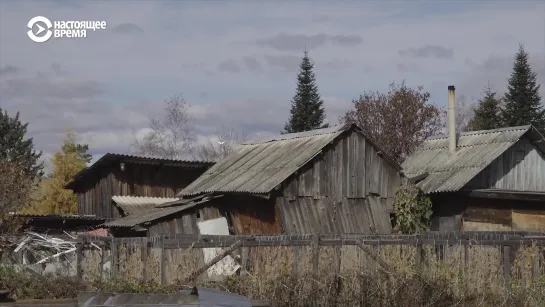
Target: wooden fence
x,y
306,249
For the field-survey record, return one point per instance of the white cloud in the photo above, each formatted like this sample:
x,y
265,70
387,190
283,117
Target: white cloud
x,y
105,87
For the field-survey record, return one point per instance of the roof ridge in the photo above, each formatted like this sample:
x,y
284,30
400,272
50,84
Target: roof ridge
x,y
479,132
297,135
464,146
146,157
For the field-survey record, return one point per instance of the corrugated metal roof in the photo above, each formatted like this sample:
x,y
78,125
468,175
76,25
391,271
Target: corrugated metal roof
x,y
475,151
137,204
143,217
109,158
259,166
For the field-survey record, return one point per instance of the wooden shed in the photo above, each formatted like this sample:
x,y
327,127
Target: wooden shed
x,y
126,175
492,180
332,180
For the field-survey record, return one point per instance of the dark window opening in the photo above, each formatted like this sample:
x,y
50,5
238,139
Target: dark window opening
x,y
393,220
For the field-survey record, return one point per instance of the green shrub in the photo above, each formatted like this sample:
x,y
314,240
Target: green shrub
x,y
413,210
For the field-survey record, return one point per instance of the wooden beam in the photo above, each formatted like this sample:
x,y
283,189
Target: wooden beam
x,y
373,255
512,195
214,260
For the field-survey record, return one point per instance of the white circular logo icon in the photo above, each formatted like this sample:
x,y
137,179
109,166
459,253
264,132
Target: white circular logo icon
x,y
38,21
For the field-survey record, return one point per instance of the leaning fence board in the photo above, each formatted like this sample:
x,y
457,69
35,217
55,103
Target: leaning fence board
x,y
214,260
373,255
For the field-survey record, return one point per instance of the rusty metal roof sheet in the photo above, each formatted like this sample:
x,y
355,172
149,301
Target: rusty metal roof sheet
x,y
136,204
475,151
258,166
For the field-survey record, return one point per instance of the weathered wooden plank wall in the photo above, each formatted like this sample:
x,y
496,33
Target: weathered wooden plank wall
x,y
520,168
245,215
175,225
347,189
95,196
153,180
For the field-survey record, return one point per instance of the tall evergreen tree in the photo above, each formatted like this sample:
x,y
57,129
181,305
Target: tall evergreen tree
x,y
487,114
16,148
307,107
523,102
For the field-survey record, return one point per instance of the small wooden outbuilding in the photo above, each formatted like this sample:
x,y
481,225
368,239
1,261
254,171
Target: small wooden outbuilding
x,y
332,180
125,175
493,180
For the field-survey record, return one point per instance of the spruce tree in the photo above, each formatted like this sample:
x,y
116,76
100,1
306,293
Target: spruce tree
x,y
487,113
307,107
522,100
15,147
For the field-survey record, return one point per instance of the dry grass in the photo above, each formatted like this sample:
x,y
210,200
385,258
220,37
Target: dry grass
x,y
284,276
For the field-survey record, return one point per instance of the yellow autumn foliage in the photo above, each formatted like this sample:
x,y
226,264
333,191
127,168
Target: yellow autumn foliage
x,y
53,198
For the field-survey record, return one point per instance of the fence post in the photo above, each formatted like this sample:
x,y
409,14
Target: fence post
x,y
315,253
466,261
144,255
101,269
419,252
163,262
245,254
296,260
79,258
535,265
114,259
338,260
523,269
507,269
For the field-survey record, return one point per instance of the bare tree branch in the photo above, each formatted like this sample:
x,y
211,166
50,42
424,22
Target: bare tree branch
x,y
227,140
172,136
398,120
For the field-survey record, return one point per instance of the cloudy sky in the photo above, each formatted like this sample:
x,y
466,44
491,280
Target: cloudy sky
x,y
236,61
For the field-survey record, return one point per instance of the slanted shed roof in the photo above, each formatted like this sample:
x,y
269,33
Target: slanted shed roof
x,y
110,158
146,217
474,152
259,166
158,211
137,204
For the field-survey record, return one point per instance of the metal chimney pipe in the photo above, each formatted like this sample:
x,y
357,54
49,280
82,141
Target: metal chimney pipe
x,y
451,119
